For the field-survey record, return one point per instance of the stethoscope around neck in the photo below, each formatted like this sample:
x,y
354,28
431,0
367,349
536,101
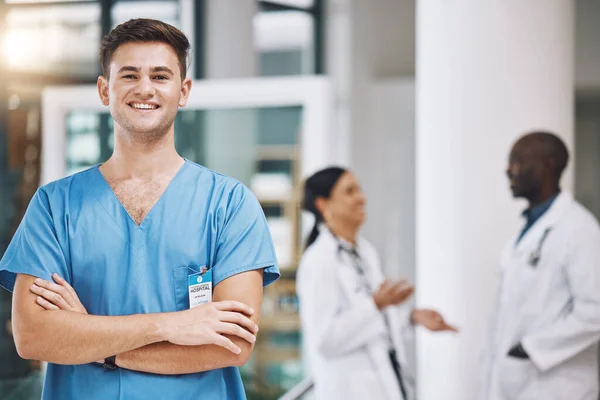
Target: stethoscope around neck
x,y
536,255
355,261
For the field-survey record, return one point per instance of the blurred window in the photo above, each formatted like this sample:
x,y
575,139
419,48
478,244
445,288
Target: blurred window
x,y
285,43
53,39
166,11
288,36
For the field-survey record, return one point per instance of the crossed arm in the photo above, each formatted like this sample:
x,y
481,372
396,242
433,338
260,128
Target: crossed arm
x,y
211,336
167,358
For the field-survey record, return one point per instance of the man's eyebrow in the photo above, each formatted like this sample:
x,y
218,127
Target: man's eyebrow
x,y
162,69
128,68
153,69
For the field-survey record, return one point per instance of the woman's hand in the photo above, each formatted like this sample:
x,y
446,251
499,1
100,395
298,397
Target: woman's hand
x,y
392,293
431,320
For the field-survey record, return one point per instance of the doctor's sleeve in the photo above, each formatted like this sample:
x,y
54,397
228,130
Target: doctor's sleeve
x,y
404,313
244,243
581,327
35,248
337,328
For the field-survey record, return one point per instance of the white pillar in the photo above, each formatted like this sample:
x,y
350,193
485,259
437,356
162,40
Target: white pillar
x,y
486,72
230,53
370,44
338,64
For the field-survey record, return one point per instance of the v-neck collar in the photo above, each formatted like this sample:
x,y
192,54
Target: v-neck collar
x,y
117,206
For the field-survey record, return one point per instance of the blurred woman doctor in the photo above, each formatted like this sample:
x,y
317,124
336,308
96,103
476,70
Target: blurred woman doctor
x,y
353,327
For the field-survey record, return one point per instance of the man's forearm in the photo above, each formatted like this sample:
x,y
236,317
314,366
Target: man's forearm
x,y
167,359
64,337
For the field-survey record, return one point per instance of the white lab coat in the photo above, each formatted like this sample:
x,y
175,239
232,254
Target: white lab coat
x,y
553,309
344,333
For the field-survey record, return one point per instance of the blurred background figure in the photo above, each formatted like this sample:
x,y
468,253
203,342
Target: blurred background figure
x,y
353,329
546,324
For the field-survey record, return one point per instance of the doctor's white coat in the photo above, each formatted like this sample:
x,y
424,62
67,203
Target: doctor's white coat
x,y
344,334
552,308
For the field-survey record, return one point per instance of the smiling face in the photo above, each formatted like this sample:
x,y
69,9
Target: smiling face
x,y
144,91
346,204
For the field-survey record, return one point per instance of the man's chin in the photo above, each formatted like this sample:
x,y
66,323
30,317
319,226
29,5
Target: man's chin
x,y
146,128
361,220
516,194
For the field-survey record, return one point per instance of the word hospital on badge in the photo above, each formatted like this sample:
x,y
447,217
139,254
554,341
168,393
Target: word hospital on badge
x,y
200,288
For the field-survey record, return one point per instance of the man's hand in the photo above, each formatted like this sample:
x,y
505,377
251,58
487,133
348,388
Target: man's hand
x,y
57,296
431,320
204,324
208,323
392,293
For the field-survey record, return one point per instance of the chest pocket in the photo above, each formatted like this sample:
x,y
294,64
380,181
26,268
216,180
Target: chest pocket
x,y
180,284
533,273
518,276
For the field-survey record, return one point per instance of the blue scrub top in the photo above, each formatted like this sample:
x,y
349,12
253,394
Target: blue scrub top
x,y
77,227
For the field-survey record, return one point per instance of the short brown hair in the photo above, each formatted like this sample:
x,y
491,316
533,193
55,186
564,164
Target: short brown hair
x,y
144,30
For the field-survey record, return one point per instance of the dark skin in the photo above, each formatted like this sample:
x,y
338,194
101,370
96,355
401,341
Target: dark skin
x,y
533,173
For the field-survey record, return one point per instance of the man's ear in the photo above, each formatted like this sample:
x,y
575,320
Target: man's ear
x,y
103,90
186,88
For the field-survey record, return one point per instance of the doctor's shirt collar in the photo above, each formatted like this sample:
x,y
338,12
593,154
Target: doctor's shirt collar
x,y
342,243
532,214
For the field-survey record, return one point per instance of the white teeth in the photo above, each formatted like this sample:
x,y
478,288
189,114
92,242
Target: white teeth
x,y
144,106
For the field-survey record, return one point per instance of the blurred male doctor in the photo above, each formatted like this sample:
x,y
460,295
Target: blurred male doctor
x,y
546,324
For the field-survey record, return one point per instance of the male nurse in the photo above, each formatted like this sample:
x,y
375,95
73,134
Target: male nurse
x,y
141,277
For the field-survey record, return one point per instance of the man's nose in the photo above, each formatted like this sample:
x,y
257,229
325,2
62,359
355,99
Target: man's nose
x,y
512,170
145,88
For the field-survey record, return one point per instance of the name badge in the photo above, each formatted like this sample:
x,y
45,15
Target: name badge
x,y
200,288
